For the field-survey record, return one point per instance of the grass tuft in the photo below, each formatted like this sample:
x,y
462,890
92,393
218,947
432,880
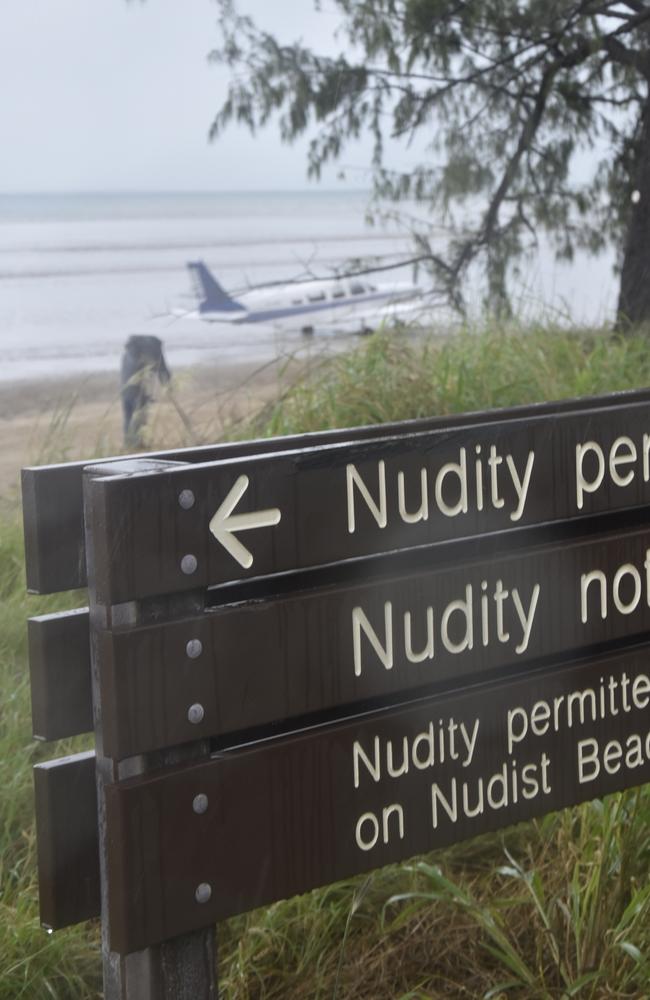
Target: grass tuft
x,y
391,378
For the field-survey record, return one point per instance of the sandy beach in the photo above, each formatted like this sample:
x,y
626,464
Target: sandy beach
x,y
62,419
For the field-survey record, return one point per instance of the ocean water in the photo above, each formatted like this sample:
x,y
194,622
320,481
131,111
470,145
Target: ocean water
x,y
80,272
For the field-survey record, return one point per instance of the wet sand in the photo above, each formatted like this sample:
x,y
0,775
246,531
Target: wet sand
x,y
58,420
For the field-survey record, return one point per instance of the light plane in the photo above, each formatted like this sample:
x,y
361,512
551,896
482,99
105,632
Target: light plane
x,y
354,305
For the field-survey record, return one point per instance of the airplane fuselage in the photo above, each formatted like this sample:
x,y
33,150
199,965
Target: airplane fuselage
x,y
349,303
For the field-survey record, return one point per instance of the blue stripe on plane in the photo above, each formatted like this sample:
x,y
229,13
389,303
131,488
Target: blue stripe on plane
x,y
271,314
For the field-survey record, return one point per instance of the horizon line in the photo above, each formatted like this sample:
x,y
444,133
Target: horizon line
x,y
179,191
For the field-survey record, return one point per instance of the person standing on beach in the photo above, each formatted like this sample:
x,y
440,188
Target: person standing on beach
x,y
143,364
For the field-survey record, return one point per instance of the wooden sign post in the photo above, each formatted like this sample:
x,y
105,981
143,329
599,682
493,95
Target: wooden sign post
x,y
311,658
183,968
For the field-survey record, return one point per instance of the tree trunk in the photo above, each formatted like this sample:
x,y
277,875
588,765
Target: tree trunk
x,y
634,295
497,299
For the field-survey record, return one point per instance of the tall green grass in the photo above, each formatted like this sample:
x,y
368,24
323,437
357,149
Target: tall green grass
x,y
551,909
390,378
556,908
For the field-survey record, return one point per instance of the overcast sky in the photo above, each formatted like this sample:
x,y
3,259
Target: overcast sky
x,y
110,94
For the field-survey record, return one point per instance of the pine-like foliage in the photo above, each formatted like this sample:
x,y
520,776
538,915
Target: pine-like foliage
x,y
537,114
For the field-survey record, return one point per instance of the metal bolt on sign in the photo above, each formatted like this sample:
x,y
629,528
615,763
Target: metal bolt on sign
x,y
203,892
186,499
189,564
195,714
200,804
194,648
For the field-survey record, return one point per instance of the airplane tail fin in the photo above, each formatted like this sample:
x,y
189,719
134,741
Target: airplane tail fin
x,y
212,297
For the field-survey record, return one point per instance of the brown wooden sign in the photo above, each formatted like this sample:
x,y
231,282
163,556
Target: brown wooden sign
x,y
190,846
307,658
67,842
53,515
260,663
59,673
202,525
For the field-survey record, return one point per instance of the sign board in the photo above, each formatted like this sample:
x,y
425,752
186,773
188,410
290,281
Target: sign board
x,y
190,846
67,844
59,674
308,662
259,663
204,525
53,514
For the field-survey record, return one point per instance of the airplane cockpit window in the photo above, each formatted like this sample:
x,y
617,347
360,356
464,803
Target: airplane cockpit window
x,y
296,302
356,288
316,297
338,293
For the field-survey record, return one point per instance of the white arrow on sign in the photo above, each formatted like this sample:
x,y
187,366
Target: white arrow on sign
x,y
225,522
